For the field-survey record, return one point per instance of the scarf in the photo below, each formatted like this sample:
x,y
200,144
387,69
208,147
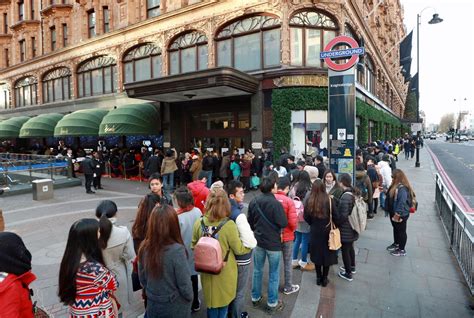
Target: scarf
x,y
14,256
329,186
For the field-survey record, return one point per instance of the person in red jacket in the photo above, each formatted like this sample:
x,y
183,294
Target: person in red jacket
x,y
245,164
15,277
288,233
199,190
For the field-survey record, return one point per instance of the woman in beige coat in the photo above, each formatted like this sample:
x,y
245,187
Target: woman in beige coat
x,y
117,250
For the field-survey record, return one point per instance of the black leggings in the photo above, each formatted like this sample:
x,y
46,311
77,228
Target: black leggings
x,y
194,280
400,233
322,274
348,256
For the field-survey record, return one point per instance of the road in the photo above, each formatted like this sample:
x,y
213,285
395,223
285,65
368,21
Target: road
x,y
457,160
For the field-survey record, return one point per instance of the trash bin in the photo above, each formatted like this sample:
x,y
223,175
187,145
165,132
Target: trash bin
x,y
42,189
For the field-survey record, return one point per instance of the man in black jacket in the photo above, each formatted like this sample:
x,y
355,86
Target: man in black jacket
x,y
88,170
267,219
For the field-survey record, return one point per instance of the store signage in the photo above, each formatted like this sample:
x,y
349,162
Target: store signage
x,y
301,80
342,105
353,52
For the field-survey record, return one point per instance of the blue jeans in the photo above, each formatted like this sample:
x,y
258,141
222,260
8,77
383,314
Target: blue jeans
x,y
259,257
301,239
168,181
220,312
382,199
209,178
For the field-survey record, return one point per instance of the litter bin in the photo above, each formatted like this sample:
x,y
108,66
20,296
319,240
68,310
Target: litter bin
x,y
42,189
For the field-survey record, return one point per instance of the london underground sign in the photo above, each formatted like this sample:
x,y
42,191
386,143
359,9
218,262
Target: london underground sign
x,y
353,52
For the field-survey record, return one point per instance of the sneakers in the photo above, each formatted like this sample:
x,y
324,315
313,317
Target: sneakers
x,y
257,303
353,269
308,267
293,289
274,309
392,247
399,252
196,306
345,276
295,263
370,216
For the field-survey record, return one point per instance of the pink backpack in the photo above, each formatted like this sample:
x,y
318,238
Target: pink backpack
x,y
208,252
299,208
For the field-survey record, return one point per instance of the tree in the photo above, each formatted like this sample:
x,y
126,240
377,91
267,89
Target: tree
x,y
446,122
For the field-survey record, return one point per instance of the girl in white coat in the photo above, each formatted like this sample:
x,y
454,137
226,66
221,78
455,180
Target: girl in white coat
x,y
117,250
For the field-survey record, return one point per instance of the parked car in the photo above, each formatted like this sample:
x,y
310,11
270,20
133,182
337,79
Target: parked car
x,y
433,136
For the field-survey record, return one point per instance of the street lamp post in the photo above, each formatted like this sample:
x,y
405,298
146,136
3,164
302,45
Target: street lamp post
x,y
436,19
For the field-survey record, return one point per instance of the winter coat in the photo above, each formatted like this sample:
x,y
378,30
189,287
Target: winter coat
x,y
87,166
401,204
152,165
290,212
245,165
169,164
386,173
171,294
219,290
15,299
118,256
186,223
268,236
341,218
319,238
200,193
208,163
225,167
362,177
235,168
196,167
245,232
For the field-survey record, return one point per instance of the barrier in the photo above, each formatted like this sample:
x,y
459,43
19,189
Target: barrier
x,y
459,227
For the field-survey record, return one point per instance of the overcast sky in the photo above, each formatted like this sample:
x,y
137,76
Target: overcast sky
x,y
446,55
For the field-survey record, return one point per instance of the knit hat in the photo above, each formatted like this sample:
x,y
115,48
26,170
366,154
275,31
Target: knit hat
x,y
14,256
217,185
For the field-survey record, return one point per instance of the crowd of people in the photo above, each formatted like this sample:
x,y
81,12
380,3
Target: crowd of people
x,y
200,229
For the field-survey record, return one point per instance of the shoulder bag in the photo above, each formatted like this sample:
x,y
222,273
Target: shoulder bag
x,y
334,234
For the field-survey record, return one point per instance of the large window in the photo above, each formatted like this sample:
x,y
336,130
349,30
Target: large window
x,y
21,10
152,8
64,34
4,96
25,91
142,63
97,76
310,31
22,50
105,11
53,38
250,44
57,85
33,46
91,23
188,53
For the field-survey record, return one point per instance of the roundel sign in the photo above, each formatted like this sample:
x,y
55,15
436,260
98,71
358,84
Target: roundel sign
x,y
352,53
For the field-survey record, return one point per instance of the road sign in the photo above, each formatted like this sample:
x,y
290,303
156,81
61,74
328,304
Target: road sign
x,y
353,52
416,127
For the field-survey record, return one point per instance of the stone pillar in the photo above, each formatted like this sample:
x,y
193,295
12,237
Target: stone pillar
x,y
256,118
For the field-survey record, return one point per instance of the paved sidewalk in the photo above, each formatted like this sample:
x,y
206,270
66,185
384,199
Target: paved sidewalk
x,y
425,283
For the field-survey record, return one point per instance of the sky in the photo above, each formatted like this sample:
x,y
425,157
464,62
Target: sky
x,y
446,55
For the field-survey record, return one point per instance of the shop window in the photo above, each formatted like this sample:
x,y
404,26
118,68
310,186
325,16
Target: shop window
x,y
152,8
210,121
188,53
4,96
57,85
97,76
310,31
250,44
142,63
25,91
309,132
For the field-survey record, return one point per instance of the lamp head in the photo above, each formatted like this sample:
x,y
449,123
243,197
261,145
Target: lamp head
x,y
436,19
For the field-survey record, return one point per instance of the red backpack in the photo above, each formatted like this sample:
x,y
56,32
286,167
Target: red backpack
x,y
208,252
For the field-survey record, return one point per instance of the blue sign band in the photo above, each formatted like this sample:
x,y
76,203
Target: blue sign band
x,y
342,53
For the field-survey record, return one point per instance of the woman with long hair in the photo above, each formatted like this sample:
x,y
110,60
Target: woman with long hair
x,y
301,188
188,214
330,182
348,234
161,257
219,290
399,201
15,277
117,250
85,284
146,205
318,208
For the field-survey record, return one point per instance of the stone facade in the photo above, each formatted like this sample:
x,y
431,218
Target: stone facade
x,y
381,27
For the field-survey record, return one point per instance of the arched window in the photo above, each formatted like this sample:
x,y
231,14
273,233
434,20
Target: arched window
x,y
57,85
250,44
142,63
188,53
97,76
310,31
369,74
25,91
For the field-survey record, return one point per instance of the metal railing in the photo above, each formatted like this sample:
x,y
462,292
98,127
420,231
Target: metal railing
x,y
459,227
24,168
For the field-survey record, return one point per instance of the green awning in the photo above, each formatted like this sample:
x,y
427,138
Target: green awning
x,y
40,126
133,119
84,122
10,128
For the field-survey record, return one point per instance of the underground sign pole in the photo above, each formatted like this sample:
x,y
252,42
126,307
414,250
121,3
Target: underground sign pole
x,y
342,103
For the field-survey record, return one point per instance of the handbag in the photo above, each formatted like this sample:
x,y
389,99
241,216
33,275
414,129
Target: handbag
x,y
135,280
270,223
334,234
